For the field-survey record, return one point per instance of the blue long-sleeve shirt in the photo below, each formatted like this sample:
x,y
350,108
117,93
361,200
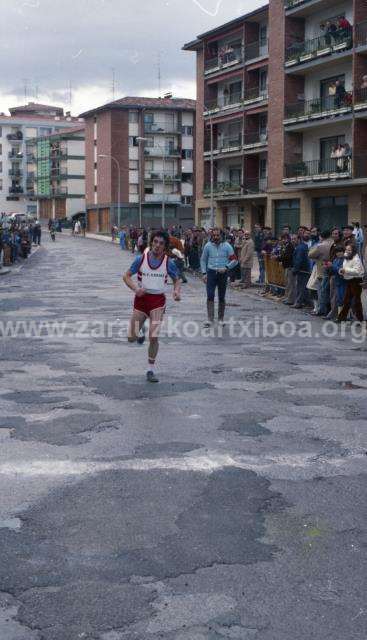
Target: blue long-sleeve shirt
x,y
218,256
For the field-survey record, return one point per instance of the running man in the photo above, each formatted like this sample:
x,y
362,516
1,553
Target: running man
x,y
217,259
152,269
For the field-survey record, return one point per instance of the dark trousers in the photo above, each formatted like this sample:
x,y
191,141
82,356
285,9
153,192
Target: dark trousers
x,y
352,298
214,280
301,289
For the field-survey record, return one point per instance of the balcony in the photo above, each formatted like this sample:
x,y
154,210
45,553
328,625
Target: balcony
x,y
160,152
255,186
255,95
360,99
16,189
16,135
31,157
224,189
256,50
318,108
174,198
15,173
301,52
318,170
161,127
224,60
255,140
15,156
54,192
223,103
361,34
159,176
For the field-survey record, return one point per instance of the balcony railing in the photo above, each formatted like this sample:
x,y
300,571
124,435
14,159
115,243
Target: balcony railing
x,y
257,185
254,94
17,135
157,175
255,138
291,4
31,157
230,57
229,142
159,197
16,189
224,102
15,156
15,173
161,127
318,107
327,168
305,51
360,98
361,34
160,151
224,188
256,50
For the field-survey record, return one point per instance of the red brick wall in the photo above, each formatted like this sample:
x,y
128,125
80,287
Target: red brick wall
x,y
360,11
200,125
276,92
89,161
104,164
120,151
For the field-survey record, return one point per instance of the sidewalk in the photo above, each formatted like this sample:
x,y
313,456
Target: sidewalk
x,y
16,268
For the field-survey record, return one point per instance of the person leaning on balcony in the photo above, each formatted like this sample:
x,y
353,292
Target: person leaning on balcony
x,y
340,94
330,30
247,259
344,28
353,272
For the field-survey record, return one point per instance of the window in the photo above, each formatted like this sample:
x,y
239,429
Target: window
x,y
1,132
1,149
95,188
148,190
133,117
235,92
150,141
1,167
263,34
187,154
148,119
133,188
45,131
235,175
263,81
1,184
187,131
133,141
186,200
133,165
95,165
263,171
187,177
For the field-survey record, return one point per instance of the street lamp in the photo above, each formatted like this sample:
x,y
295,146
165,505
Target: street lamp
x,y
211,168
105,155
163,148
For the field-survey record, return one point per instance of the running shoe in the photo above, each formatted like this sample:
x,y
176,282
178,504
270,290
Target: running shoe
x,y
151,377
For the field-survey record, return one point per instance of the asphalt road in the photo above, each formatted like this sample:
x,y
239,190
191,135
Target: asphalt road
x,y
227,502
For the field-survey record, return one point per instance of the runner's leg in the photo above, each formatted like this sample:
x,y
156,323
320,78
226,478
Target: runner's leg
x,y
137,320
156,317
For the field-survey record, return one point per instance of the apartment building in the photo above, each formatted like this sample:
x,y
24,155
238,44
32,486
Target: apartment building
x,y
56,173
313,155
140,162
25,123
232,120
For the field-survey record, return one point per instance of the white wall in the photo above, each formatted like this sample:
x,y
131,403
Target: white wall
x,y
187,166
134,153
312,25
133,177
187,189
73,205
187,142
133,128
75,186
76,147
76,167
312,81
187,119
311,139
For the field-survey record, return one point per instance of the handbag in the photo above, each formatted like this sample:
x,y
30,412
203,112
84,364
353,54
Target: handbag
x,y
312,281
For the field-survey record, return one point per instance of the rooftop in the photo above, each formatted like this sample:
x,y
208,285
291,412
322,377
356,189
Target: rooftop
x,y
37,108
65,133
139,102
191,46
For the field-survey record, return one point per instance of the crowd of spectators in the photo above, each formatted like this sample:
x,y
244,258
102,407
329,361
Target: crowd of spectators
x,y
16,237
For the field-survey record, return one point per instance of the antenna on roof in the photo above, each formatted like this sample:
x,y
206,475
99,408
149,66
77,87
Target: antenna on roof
x,y
159,73
113,85
25,85
70,94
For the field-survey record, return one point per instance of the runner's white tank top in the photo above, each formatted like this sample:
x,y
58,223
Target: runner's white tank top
x,y
153,280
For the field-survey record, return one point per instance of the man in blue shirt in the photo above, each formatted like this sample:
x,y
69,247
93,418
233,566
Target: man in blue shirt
x,y
217,259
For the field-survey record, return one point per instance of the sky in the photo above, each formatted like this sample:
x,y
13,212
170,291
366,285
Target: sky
x,y
66,52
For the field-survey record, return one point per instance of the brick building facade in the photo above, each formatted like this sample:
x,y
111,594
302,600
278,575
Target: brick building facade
x,y
144,148
281,91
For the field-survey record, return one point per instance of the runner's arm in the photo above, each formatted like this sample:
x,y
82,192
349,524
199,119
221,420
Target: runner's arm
x,y
128,277
173,273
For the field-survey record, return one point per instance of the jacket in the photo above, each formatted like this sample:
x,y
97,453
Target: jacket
x,y
286,255
300,258
353,268
247,254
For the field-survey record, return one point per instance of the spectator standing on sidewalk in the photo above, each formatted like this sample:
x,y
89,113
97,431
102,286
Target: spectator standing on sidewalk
x,y
301,269
286,260
258,237
353,272
321,254
246,258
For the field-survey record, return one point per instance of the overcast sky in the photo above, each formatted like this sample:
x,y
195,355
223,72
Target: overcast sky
x,y
47,44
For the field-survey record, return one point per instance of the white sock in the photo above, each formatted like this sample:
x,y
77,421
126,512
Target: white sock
x,y
151,367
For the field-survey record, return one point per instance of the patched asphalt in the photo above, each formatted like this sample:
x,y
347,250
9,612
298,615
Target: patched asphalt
x,y
227,502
